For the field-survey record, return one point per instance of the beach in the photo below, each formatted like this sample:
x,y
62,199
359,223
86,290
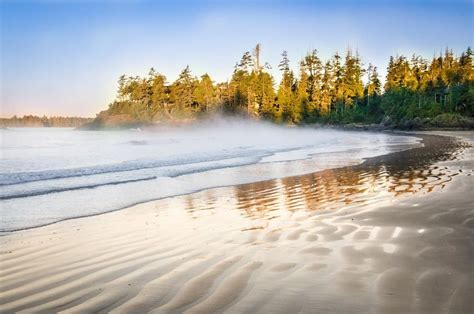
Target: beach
x,y
393,234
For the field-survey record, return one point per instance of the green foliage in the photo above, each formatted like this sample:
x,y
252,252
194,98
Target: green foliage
x,y
35,121
451,120
338,90
182,93
265,97
287,99
352,86
205,94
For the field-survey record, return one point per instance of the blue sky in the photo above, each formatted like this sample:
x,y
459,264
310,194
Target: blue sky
x,y
64,57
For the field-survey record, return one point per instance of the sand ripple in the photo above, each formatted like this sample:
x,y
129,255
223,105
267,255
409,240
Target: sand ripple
x,y
393,235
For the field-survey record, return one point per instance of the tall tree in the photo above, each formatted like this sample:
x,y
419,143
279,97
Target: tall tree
x,y
352,85
182,92
302,89
338,75
374,86
265,97
285,94
204,94
414,87
159,93
327,88
313,67
239,87
466,66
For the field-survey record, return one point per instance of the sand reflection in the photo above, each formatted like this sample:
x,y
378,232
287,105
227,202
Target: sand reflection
x,y
386,177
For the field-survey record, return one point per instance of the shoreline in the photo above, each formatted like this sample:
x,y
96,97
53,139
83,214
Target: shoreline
x,y
167,125
325,165
388,235
363,160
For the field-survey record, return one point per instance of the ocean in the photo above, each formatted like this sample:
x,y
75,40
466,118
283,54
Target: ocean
x,y
53,174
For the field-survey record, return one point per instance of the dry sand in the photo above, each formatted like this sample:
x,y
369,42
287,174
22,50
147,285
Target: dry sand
x,y
392,235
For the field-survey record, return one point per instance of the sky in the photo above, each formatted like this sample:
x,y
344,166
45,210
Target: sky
x,y
65,57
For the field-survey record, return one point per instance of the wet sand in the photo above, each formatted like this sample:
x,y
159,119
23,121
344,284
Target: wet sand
x,y
392,235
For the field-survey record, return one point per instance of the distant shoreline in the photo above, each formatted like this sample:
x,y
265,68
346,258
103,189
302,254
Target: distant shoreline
x,y
33,121
444,122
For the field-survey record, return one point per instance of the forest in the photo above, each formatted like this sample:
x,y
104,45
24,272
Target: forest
x,y
35,121
342,90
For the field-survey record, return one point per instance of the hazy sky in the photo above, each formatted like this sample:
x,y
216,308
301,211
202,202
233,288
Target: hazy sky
x,y
64,57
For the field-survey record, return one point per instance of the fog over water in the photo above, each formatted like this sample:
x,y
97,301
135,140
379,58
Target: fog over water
x,y
51,174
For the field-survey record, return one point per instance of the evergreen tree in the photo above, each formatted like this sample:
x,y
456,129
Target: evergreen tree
x,y
466,67
265,97
204,94
391,81
302,90
313,67
159,93
284,65
245,63
413,88
338,74
182,92
374,86
327,88
285,95
352,86
239,88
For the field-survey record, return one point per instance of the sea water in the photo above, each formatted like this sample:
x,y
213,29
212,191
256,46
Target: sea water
x,y
52,174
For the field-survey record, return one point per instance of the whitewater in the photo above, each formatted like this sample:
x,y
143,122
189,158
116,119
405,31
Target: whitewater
x,y
52,174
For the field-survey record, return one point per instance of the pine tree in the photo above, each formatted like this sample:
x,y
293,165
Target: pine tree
x,y
265,97
239,87
182,92
245,63
435,73
419,72
375,85
352,79
413,88
159,97
313,67
302,90
466,66
284,65
391,81
204,94
260,90
338,74
327,88
285,94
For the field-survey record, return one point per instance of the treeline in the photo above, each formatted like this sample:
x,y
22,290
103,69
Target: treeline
x,y
339,90
35,121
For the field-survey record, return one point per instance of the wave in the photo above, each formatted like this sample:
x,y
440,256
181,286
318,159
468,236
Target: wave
x,y
25,177
74,174
79,187
36,188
